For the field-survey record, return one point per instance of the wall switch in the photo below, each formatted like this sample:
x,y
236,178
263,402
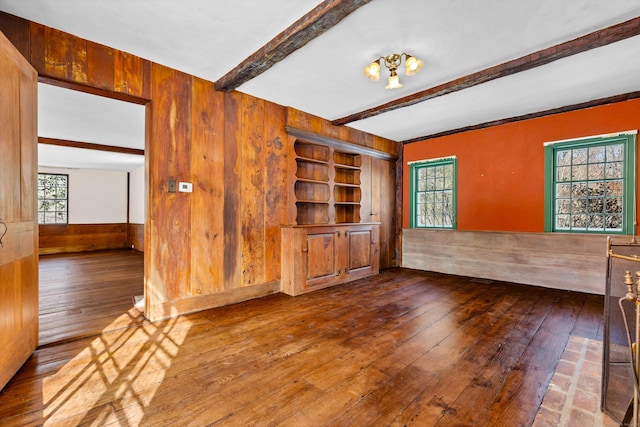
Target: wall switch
x,y
185,187
172,186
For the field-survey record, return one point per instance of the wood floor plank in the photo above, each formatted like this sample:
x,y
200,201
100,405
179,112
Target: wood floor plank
x,y
401,348
83,294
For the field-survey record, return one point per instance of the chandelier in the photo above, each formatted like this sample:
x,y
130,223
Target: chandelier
x,y
392,62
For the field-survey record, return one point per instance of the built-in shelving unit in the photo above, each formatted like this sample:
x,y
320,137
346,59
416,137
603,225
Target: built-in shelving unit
x,y
327,185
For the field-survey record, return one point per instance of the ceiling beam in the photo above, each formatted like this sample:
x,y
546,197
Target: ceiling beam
x,y
313,24
89,146
565,109
590,41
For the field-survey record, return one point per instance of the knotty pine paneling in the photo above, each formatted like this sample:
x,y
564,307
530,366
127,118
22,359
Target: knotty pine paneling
x,y
574,262
100,66
252,190
67,60
232,173
275,200
60,238
221,243
169,214
207,199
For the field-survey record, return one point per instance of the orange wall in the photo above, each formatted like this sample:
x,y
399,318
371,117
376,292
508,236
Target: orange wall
x,y
501,169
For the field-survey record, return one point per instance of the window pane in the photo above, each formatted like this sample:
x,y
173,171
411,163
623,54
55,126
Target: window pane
x,y
596,205
563,158
564,174
564,206
613,222
596,171
596,155
580,156
578,221
613,170
563,190
596,222
614,189
579,173
615,153
579,189
563,221
614,205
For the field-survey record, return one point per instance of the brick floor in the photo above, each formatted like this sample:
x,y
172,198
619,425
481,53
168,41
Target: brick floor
x,y
573,396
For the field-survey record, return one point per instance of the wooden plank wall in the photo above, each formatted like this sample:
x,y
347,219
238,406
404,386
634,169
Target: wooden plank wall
x,y
219,244
136,237
60,238
574,262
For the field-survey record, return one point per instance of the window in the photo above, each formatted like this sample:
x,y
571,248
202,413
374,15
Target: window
x,y
433,193
590,185
53,198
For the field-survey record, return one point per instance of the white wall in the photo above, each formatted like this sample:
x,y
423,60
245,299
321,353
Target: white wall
x,y
95,196
137,193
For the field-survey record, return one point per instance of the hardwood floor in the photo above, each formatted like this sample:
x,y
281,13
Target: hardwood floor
x,y
401,348
86,293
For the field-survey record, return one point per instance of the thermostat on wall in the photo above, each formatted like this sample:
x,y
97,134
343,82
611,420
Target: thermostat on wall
x,y
185,187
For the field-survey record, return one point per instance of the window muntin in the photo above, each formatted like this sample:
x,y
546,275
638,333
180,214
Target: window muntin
x,y
433,194
591,185
53,198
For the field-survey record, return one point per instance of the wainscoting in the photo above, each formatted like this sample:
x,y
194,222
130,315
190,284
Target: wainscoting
x,y
554,260
136,236
61,238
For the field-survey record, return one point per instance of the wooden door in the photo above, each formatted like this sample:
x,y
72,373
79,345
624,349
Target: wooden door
x,y
18,214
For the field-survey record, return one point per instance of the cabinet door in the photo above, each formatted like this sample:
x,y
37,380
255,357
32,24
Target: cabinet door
x,y
322,258
362,251
359,250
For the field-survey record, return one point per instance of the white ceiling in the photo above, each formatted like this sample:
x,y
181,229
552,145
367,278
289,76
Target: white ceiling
x,y
454,38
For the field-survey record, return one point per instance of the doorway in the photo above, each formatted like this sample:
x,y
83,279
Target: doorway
x,y
91,267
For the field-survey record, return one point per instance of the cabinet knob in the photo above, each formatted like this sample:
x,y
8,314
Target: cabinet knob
x,y
373,242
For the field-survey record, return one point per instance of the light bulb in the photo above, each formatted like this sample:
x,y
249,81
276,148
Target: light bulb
x,y
412,65
372,71
394,81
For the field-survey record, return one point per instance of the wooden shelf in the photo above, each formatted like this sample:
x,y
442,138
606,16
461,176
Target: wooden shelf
x,y
326,185
313,191
312,170
312,151
347,159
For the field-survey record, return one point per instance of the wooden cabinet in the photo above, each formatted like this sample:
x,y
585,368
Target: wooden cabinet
x,y
315,257
335,216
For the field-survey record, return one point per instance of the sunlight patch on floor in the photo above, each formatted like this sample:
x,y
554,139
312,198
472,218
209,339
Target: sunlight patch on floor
x,y
114,378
